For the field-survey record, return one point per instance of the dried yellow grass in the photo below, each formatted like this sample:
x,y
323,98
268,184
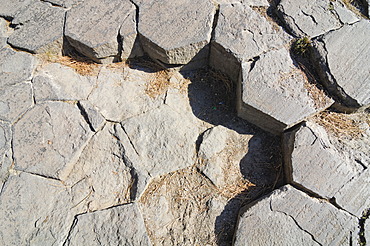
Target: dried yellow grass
x,y
158,84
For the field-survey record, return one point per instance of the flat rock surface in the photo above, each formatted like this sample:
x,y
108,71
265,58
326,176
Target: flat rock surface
x,y
306,220
39,28
346,48
121,225
314,18
5,151
15,67
271,92
10,8
92,27
175,31
65,3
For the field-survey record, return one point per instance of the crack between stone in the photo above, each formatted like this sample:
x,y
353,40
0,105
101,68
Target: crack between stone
x,y
296,222
311,16
361,234
294,22
129,139
85,116
39,175
74,223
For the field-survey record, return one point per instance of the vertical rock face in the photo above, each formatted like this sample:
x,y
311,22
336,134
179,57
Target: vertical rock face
x,y
121,225
290,217
343,58
314,18
272,98
93,27
40,28
175,32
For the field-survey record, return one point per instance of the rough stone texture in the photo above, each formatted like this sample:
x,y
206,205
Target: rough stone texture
x,y
57,82
14,101
174,32
121,94
91,114
49,137
35,211
344,61
309,151
121,225
130,42
240,35
39,28
92,27
15,67
275,94
181,208
65,3
4,32
313,18
5,152
9,9
163,140
291,217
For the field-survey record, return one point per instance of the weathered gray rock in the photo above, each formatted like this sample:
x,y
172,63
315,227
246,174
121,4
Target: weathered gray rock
x,y
65,3
130,42
344,60
313,18
35,211
121,94
174,32
290,217
240,35
15,100
48,138
91,114
4,32
57,82
275,94
121,225
309,151
15,67
164,141
93,27
5,151
39,28
9,9
181,208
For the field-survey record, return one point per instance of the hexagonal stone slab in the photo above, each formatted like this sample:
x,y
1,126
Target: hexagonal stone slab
x,y
35,211
121,94
49,138
240,35
344,61
40,28
15,67
121,225
314,18
274,94
290,217
57,82
93,27
14,101
174,32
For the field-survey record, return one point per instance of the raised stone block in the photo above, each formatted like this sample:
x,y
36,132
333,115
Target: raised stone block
x,y
92,28
314,18
344,62
275,94
240,35
9,9
40,28
174,32
290,217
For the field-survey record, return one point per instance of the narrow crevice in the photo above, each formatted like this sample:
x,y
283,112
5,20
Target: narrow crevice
x,y
85,116
362,221
335,204
39,175
361,164
53,4
129,139
253,62
74,223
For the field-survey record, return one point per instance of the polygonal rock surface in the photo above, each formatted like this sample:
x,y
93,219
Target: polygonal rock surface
x,y
40,28
56,82
35,211
344,60
15,67
313,18
49,137
290,217
105,174
181,208
121,225
121,94
163,140
174,32
309,151
10,8
240,35
92,27
14,101
275,94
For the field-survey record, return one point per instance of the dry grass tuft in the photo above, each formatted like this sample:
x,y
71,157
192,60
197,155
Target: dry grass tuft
x,y
159,83
343,125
